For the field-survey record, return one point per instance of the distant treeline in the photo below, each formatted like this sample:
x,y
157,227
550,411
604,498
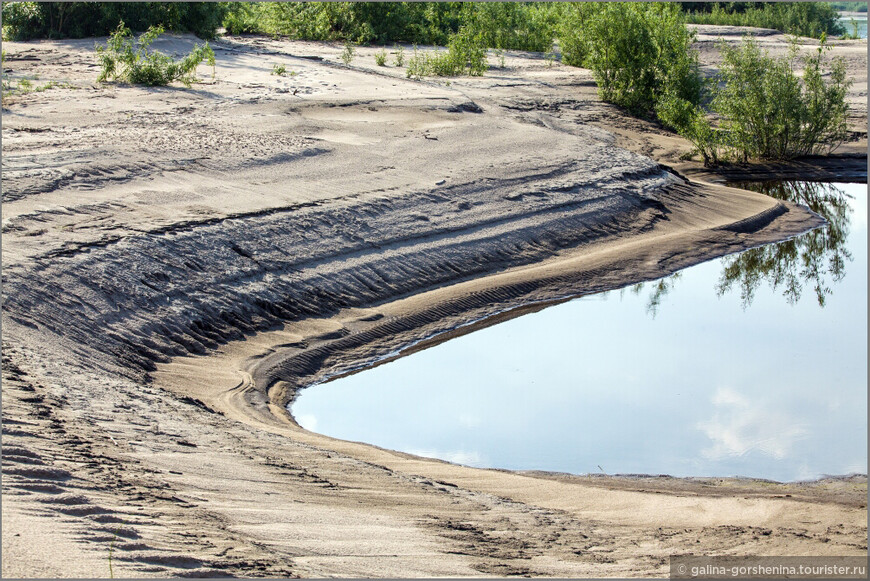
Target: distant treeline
x,y
849,6
27,20
522,26
800,18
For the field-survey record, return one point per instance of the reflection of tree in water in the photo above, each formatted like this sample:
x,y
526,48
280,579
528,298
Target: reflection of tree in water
x,y
660,289
806,259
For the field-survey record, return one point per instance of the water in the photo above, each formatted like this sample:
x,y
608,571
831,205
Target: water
x,y
860,21
707,373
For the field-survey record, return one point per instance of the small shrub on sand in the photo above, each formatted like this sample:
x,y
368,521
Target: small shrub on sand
x,y
381,58
400,56
128,60
279,70
348,53
767,108
465,55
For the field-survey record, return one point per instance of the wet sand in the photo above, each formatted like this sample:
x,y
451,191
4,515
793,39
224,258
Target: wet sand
x,y
178,263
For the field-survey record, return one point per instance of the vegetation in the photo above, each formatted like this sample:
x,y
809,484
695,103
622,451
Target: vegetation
x,y
501,25
279,69
26,20
637,52
810,19
359,22
348,53
522,26
849,6
768,110
381,57
466,54
128,60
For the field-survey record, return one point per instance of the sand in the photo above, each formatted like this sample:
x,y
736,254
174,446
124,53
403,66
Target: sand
x,y
177,263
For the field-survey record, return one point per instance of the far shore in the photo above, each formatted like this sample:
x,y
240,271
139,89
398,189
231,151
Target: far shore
x,y
179,263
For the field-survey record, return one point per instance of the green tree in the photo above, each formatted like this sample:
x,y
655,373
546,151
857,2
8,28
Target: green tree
x,y
26,20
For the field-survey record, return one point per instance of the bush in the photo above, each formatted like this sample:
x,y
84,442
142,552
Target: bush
x,y
348,53
130,61
800,18
511,25
691,122
505,25
381,57
770,112
465,55
359,22
637,52
572,22
27,20
767,109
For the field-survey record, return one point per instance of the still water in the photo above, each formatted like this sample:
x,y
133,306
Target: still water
x,y
751,365
855,22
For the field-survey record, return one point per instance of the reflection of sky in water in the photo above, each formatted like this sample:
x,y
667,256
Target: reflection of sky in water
x,y
704,388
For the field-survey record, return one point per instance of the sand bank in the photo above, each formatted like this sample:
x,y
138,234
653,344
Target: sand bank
x,y
177,263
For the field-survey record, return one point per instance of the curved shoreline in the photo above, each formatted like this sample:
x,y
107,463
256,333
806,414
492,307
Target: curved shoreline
x,y
270,370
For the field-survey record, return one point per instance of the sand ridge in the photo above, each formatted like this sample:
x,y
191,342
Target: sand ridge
x,y
178,262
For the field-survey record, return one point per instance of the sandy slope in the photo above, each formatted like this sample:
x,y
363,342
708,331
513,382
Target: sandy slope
x,y
177,263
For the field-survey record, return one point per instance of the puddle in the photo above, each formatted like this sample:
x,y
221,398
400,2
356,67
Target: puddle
x,y
751,365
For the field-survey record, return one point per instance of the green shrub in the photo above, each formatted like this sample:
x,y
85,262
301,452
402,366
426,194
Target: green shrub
x,y
400,56
245,18
504,25
26,20
769,111
359,22
465,55
690,121
348,53
637,52
801,18
279,70
381,57
572,23
128,60
510,25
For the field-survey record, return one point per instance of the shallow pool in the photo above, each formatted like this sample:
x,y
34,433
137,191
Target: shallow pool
x,y
715,371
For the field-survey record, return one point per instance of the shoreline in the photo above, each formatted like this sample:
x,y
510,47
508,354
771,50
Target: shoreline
x,y
263,370
168,288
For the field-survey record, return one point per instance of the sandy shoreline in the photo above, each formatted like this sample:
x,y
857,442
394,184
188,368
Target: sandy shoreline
x,y
178,263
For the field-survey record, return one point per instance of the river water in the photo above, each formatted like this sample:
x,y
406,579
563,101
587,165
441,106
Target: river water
x,y
860,24
752,365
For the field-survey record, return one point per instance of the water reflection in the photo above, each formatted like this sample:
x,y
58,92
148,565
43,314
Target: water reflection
x,y
704,388
816,259
805,260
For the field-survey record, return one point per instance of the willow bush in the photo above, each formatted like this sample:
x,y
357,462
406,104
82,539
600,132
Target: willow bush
x,y
769,108
130,60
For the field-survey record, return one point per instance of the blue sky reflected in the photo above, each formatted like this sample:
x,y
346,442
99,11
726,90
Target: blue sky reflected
x,y
707,387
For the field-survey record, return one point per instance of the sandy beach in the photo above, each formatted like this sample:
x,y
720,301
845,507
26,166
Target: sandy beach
x,y
179,263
